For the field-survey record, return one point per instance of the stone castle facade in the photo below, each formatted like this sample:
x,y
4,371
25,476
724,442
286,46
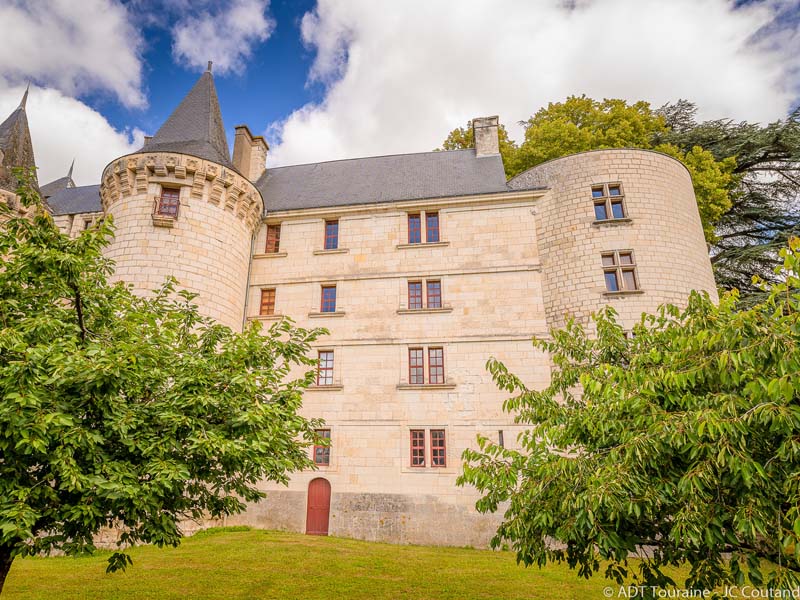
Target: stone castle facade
x,y
422,266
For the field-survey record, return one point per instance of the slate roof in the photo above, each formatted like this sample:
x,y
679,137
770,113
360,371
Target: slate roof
x,y
15,141
75,200
62,183
381,179
195,127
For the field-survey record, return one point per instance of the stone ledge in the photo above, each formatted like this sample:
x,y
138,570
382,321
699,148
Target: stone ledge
x,y
623,293
413,311
426,386
325,388
601,222
163,221
331,251
422,245
271,255
321,315
275,317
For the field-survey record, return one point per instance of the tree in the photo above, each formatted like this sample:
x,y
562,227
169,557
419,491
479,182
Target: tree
x,y
678,444
579,124
765,211
117,410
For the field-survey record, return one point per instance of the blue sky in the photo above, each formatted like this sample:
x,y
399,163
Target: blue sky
x,y
331,79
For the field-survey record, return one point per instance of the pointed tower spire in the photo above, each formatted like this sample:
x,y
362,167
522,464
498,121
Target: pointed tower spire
x,y
25,97
72,166
195,127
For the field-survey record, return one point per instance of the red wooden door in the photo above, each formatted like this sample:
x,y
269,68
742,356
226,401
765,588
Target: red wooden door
x,y
319,507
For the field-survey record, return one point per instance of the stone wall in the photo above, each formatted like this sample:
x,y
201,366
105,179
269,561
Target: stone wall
x,y
207,247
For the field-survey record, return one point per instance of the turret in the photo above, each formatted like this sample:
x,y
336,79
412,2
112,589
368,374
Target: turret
x,y
180,208
16,149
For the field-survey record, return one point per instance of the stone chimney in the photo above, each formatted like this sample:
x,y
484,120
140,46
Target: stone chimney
x,y
484,130
249,153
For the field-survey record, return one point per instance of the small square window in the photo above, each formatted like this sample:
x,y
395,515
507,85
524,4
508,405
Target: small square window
x,y
267,302
273,239
609,260
414,295
86,224
322,454
600,211
432,227
629,279
608,202
619,271
331,235
597,191
169,202
617,210
414,229
612,285
328,303
614,190
325,368
434,294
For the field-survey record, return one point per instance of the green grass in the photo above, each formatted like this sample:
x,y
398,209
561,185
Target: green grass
x,y
249,564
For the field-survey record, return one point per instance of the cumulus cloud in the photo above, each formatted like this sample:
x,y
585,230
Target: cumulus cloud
x,y
225,34
75,47
399,76
63,128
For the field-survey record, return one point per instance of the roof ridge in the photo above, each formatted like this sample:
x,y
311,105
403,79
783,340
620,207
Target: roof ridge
x,y
322,162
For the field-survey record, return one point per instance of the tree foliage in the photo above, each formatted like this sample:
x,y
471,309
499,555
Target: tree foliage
x,y
765,210
117,410
678,444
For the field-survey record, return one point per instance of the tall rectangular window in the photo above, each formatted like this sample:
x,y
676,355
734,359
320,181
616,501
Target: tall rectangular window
x,y
414,295
273,239
435,365
267,302
414,229
432,227
168,202
328,303
438,448
325,368
417,447
434,294
331,235
416,366
322,454
619,271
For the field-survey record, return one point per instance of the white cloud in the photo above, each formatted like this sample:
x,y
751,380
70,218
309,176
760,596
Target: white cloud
x,y
63,128
399,76
225,35
76,47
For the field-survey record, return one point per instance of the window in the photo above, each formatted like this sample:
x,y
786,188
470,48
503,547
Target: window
x,y
273,239
86,224
331,235
414,295
322,454
325,368
619,270
435,365
417,447
434,294
609,202
432,227
267,302
328,303
414,229
438,448
501,439
416,366
168,202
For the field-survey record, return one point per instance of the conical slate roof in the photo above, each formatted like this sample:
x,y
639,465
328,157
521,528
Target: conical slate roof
x,y
195,127
16,146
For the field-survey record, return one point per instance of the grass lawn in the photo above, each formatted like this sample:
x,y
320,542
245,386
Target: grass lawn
x,y
253,564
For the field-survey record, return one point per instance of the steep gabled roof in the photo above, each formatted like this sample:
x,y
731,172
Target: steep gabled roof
x,y
16,145
382,179
76,200
62,183
195,127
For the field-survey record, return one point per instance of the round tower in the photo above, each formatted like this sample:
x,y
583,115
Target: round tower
x,y
619,218
181,209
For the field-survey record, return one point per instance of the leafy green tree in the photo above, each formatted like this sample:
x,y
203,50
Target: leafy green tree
x,y
765,211
117,410
679,444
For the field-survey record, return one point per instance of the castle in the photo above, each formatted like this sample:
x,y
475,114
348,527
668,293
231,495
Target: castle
x,y
422,266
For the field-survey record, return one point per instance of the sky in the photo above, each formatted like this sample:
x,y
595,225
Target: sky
x,y
326,80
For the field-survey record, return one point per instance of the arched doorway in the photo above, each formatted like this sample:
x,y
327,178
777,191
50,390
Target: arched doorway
x,y
319,506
